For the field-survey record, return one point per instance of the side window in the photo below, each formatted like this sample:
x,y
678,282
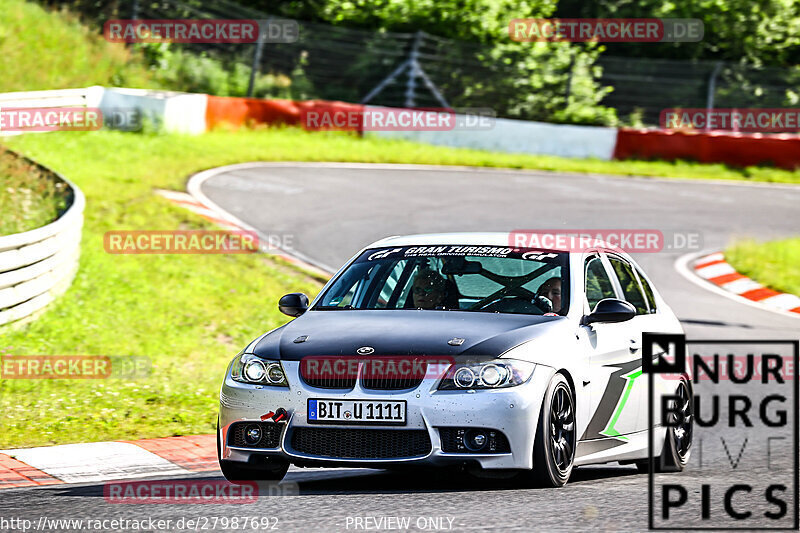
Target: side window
x,y
348,290
389,285
648,292
630,285
598,284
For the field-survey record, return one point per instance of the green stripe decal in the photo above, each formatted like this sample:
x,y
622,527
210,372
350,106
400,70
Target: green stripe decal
x,y
609,430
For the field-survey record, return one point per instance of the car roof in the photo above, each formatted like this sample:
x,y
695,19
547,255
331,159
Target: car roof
x,y
465,238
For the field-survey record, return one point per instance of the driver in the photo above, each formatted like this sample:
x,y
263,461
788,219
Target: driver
x,y
551,289
429,290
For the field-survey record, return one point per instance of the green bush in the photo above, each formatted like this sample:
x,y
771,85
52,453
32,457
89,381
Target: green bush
x,y
181,70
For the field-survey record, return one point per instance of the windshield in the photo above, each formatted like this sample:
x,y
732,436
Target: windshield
x,y
453,277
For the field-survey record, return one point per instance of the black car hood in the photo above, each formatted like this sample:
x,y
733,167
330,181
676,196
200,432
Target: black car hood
x,y
399,332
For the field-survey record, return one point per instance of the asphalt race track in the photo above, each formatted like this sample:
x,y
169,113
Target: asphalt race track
x,y
333,211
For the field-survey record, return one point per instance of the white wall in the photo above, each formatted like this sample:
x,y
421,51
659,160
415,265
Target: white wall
x,y
524,137
176,112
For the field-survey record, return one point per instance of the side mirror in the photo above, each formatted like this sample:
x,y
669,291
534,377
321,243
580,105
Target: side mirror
x,y
610,310
294,304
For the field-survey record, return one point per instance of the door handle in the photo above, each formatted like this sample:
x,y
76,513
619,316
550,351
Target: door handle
x,y
635,345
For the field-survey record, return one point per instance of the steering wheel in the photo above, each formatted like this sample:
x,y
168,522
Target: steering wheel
x,y
502,293
543,303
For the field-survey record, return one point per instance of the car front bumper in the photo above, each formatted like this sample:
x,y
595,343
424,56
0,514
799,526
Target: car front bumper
x,y
513,411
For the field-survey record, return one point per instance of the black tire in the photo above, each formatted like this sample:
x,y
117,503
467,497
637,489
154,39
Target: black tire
x,y
678,440
234,471
556,437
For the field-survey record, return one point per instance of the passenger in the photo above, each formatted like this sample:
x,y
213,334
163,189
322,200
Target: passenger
x,y
551,289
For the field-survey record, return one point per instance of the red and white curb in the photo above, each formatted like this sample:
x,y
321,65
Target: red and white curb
x,y
210,211
107,461
188,202
714,269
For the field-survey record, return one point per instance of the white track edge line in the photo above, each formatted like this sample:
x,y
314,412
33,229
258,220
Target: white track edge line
x,y
194,186
461,168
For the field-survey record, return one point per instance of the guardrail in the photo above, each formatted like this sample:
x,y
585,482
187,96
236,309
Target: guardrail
x,y
56,98
38,265
82,97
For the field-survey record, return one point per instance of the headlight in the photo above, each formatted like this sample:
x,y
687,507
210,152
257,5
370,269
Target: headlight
x,y
488,375
254,371
247,368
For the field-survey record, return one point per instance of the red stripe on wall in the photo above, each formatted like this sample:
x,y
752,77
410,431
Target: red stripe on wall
x,y
780,150
237,112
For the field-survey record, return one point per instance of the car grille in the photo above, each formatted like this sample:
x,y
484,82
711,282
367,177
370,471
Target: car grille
x,y
392,383
378,381
330,382
361,443
270,435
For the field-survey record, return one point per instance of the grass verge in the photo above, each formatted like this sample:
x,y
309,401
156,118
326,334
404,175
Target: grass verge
x,y
42,49
29,197
774,264
189,314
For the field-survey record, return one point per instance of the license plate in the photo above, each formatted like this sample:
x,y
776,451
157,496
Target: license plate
x,y
323,411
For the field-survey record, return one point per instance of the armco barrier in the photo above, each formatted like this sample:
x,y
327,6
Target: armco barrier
x,y
57,98
735,149
83,97
197,113
38,265
174,111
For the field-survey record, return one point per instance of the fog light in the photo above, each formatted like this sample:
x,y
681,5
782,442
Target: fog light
x,y
475,440
464,377
252,435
